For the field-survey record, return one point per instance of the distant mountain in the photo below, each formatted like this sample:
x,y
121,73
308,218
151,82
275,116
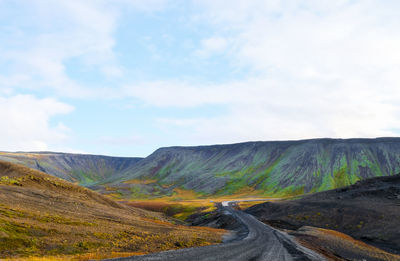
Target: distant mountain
x,y
80,168
275,168
269,168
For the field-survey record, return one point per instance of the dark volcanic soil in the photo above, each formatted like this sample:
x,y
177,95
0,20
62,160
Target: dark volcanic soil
x,y
220,219
368,210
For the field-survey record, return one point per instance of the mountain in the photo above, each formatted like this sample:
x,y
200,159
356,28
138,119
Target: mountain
x,y
41,215
265,168
369,210
271,168
80,168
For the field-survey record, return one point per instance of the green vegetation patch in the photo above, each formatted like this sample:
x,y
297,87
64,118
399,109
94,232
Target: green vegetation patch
x,y
291,190
18,239
136,192
5,180
84,178
341,178
179,211
12,213
237,180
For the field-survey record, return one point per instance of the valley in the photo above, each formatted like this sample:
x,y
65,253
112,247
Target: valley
x,y
199,130
258,242
320,192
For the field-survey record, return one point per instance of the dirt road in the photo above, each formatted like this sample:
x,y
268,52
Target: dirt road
x,y
261,243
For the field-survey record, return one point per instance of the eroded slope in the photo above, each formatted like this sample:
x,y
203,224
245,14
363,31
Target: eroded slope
x,y
276,168
83,169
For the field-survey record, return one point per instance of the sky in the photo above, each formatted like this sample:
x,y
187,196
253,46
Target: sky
x,y
125,77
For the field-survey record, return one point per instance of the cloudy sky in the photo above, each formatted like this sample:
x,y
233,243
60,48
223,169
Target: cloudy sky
x,y
124,77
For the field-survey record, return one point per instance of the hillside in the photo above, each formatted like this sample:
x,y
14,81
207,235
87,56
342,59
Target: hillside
x,y
41,215
80,168
368,210
276,168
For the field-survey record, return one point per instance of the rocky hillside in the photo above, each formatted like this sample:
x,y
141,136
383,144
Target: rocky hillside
x,y
276,168
80,168
41,215
269,168
368,210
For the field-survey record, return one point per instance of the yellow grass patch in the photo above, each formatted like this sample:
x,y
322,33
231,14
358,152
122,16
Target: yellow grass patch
x,y
180,209
140,181
336,242
26,155
246,204
185,194
87,256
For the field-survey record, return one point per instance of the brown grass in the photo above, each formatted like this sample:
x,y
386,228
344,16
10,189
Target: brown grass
x,y
182,209
333,244
25,155
179,209
43,216
81,257
141,181
246,204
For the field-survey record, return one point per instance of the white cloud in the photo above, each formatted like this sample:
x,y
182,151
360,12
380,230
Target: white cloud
x,y
59,31
176,93
51,34
320,69
316,68
264,109
212,45
26,123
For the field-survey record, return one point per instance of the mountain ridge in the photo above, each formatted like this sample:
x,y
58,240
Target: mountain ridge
x,y
84,169
228,168
350,140
269,168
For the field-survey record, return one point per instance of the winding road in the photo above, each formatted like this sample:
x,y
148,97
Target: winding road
x,y
261,243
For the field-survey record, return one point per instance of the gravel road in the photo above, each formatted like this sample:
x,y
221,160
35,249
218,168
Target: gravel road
x,y
261,243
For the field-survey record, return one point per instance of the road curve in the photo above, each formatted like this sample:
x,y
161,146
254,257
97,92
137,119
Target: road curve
x,y
261,243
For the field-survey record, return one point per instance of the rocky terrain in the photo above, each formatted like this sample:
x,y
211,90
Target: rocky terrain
x,y
368,211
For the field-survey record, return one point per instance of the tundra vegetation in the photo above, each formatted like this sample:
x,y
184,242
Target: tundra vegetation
x,y
43,216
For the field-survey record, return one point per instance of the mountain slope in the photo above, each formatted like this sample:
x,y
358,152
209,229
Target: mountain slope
x,y
41,215
275,168
269,168
80,168
368,210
